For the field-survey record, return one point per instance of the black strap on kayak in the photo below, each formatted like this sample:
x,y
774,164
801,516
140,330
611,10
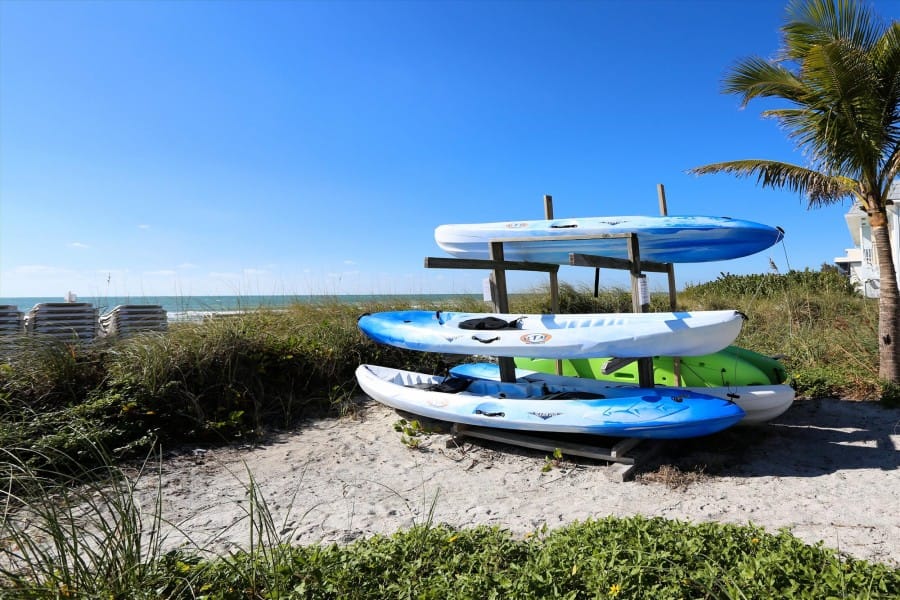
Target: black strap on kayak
x,y
451,385
490,323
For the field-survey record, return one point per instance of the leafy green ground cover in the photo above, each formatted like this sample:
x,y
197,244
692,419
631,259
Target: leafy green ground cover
x,y
609,558
94,541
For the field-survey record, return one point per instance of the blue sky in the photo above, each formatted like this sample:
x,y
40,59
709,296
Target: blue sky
x,y
192,148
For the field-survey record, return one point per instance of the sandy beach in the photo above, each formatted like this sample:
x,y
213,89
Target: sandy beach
x,y
827,470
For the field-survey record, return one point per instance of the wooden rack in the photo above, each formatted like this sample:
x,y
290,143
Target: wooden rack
x,y
498,266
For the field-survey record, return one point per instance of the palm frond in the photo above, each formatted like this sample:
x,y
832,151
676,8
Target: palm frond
x,y
886,58
819,189
812,23
755,77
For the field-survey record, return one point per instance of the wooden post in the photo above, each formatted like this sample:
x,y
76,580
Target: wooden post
x,y
501,305
498,280
664,210
670,274
645,365
661,192
548,206
554,277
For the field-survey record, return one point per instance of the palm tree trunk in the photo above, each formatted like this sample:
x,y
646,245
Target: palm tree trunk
x,y
888,305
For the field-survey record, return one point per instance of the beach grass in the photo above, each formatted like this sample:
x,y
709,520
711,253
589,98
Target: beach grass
x,y
238,376
69,414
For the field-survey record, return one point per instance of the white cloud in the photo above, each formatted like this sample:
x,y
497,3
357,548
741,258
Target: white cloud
x,y
143,226
255,271
161,272
349,262
78,245
188,266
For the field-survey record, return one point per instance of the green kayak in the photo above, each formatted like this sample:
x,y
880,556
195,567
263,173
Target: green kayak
x,y
732,366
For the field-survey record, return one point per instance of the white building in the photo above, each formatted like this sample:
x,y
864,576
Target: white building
x,y
860,263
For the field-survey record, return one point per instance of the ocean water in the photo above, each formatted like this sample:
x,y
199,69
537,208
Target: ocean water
x,y
179,308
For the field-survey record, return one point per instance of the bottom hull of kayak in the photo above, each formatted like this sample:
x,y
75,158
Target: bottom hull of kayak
x,y
570,407
760,403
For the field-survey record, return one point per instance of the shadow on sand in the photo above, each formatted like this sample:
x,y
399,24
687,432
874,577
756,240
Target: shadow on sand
x,y
814,437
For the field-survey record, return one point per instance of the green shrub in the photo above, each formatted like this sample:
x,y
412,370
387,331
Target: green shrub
x,y
581,299
826,282
218,380
608,558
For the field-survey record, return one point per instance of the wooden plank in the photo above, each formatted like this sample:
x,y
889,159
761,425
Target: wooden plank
x,y
442,262
673,294
554,277
634,258
516,438
670,275
548,207
607,262
501,305
661,193
619,449
645,365
501,301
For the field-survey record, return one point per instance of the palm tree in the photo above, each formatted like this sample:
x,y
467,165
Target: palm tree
x,y
838,71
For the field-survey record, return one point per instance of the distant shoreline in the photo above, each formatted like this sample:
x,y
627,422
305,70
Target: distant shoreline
x,y
180,308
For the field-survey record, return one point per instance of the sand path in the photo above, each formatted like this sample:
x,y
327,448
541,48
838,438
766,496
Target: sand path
x,y
827,470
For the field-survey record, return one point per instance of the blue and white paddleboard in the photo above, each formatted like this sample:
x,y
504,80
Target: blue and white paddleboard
x,y
760,403
658,413
556,336
673,239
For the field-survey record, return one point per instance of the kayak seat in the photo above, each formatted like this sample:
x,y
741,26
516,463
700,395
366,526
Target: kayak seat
x,y
489,323
450,385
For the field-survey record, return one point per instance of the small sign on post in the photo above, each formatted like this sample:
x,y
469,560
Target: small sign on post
x,y
643,292
487,291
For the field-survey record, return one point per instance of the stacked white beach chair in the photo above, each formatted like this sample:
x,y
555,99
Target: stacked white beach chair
x,y
64,321
11,320
126,319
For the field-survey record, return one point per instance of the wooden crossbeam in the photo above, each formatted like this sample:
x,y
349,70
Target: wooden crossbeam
x,y
442,262
614,454
607,262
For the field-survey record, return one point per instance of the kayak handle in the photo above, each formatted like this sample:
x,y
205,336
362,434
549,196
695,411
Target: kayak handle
x,y
489,413
487,341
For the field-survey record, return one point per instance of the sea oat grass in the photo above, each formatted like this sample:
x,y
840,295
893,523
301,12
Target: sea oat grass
x,y
824,332
78,533
233,377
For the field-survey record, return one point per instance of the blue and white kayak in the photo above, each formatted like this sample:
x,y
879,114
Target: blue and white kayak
x,y
556,336
673,239
760,403
663,413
